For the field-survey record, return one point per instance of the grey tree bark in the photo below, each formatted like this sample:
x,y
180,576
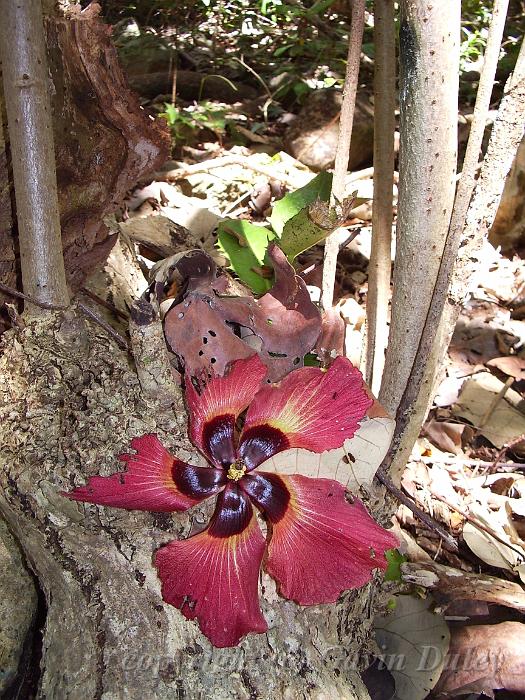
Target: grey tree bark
x,y
26,91
429,70
471,217
18,600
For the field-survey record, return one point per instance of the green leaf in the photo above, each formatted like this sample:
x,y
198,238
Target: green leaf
x,y
282,49
320,7
245,245
393,570
301,233
292,203
311,360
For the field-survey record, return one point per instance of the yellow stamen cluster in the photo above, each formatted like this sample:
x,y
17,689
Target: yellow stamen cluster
x,y
237,470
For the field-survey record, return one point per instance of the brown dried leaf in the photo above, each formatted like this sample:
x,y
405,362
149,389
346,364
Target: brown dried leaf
x,y
484,658
505,422
332,339
447,436
511,365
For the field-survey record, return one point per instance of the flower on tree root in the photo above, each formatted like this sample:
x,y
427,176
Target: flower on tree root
x,y
318,544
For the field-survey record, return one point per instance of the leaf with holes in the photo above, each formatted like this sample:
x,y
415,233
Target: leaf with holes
x,y
210,323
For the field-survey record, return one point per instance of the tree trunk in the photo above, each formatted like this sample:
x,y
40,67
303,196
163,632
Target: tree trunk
x,y
428,87
18,601
69,404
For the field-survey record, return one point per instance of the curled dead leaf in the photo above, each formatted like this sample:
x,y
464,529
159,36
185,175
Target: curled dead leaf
x,y
484,658
212,320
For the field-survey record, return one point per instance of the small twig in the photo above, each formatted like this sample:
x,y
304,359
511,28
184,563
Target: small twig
x,y
467,462
342,244
420,514
174,64
382,208
352,235
20,295
255,75
477,524
231,207
121,342
343,145
513,443
223,161
104,303
363,174
495,401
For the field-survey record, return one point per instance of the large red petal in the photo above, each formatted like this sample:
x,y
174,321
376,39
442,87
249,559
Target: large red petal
x,y
213,413
213,576
154,481
310,408
321,545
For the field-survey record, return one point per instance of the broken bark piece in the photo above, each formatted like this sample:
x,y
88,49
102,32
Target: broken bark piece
x,y
461,585
157,236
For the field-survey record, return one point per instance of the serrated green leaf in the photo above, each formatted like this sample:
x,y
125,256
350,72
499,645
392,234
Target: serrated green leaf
x,y
393,570
300,233
245,245
292,203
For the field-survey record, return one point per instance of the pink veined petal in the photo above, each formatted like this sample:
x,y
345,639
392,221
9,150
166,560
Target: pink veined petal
x,y
321,545
309,408
214,412
153,481
213,576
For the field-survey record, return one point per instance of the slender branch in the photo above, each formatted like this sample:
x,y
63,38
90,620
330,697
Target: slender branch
x,y
20,295
382,209
476,523
343,145
104,303
121,342
429,41
477,463
420,514
26,89
496,464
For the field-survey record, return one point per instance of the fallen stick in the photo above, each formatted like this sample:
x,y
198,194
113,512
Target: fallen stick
x,y
223,161
461,585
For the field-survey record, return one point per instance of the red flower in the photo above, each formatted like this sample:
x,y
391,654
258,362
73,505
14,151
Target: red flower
x,y
319,543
